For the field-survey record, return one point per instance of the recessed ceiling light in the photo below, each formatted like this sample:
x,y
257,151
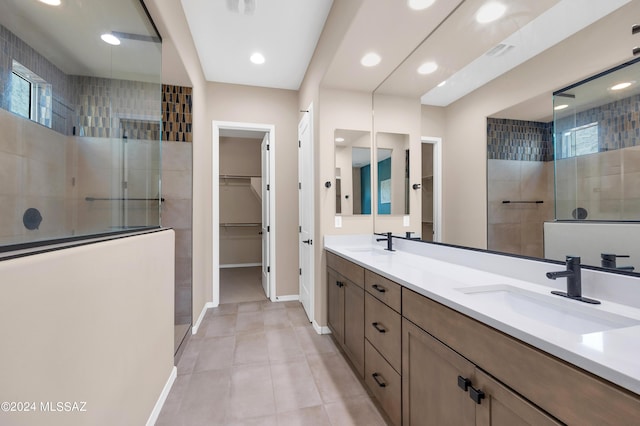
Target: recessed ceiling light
x,y
442,83
420,4
110,39
427,68
257,58
370,60
339,140
490,12
559,107
621,86
51,2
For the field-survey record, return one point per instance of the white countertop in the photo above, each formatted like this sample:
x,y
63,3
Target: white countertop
x,y
612,354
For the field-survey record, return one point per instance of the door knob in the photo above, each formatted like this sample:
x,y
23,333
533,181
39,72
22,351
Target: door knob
x,y
310,242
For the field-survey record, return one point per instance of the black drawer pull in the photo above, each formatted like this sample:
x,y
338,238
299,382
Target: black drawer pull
x,y
476,394
379,288
339,283
464,383
377,326
380,383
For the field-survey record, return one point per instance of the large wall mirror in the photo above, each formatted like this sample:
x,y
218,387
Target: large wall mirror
x,y
492,104
353,174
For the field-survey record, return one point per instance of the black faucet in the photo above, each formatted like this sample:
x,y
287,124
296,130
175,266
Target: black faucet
x,y
574,281
608,260
389,241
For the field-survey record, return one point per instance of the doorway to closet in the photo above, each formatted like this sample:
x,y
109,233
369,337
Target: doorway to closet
x,y
243,264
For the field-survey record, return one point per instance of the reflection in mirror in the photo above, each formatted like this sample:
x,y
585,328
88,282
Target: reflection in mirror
x,y
569,185
392,181
353,172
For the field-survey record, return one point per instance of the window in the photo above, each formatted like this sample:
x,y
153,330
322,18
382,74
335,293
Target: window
x,y
578,141
31,96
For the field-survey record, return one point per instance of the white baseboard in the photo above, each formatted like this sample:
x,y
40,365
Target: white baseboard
x,y
289,298
240,265
163,397
320,329
194,329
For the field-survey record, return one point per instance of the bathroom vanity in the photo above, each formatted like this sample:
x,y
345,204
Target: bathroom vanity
x,y
445,335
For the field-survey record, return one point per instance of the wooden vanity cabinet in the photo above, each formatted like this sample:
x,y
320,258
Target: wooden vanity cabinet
x,y
521,384
345,293
441,387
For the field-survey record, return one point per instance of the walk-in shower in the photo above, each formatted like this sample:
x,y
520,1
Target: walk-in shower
x,y
80,121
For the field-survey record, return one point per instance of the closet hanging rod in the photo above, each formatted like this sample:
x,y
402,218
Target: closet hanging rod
x,y
240,225
523,202
237,177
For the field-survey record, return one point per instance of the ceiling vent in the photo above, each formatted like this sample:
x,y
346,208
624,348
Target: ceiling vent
x,y
499,50
243,7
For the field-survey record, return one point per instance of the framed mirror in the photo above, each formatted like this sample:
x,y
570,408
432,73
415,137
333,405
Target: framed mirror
x,y
392,173
353,172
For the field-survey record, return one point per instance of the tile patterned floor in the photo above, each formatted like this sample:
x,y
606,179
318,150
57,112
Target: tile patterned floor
x,y
262,363
241,285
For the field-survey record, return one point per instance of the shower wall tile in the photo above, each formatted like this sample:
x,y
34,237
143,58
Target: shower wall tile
x,y
117,108
58,96
618,123
519,140
518,227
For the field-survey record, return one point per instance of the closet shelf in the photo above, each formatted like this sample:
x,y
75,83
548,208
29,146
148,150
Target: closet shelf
x,y
239,225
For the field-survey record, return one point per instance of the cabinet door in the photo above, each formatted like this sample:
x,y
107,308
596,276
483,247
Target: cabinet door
x,y
354,324
335,305
430,391
503,407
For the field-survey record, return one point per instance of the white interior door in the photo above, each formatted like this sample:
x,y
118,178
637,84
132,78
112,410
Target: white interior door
x,y
305,211
266,228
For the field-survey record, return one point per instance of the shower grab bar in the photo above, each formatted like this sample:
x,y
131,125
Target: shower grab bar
x,y
122,199
240,225
523,202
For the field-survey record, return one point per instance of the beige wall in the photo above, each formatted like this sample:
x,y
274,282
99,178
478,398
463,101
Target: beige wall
x,y
401,115
247,104
464,149
75,327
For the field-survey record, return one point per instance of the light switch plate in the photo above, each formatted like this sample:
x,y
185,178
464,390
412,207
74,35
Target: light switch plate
x,y
338,221
405,220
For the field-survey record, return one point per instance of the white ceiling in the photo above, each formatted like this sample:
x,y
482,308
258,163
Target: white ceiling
x,y
287,31
284,31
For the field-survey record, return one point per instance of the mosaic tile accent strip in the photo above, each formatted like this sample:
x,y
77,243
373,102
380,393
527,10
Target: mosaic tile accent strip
x,y
177,116
618,123
519,140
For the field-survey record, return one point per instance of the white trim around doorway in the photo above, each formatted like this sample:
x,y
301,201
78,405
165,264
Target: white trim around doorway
x,y
437,185
215,202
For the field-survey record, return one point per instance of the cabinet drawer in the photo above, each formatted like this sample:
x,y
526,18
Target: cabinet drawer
x,y
384,383
346,268
383,289
383,329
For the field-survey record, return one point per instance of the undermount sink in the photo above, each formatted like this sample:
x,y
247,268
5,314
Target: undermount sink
x,y
548,309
